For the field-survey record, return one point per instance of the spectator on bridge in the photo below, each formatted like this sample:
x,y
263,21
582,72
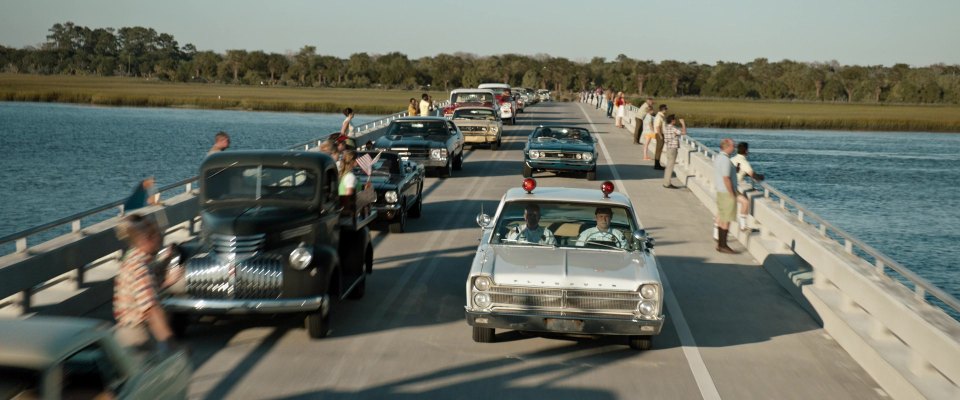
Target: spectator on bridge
x,y
725,183
608,98
621,106
348,181
648,133
412,108
136,301
144,194
602,232
638,122
531,231
346,129
221,142
671,138
744,169
658,123
425,105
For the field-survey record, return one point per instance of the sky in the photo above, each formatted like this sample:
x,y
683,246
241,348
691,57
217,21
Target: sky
x,y
862,32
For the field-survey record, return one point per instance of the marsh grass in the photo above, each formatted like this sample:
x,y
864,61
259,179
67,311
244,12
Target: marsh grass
x,y
134,92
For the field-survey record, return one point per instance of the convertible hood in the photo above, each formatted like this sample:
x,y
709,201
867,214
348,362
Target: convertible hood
x,y
409,141
562,146
568,268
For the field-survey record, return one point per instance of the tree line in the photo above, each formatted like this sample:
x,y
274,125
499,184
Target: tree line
x,y
143,52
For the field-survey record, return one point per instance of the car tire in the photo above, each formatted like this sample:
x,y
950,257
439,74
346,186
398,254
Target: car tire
x,y
592,175
446,171
417,210
484,335
458,162
399,223
318,324
527,171
640,342
179,324
495,145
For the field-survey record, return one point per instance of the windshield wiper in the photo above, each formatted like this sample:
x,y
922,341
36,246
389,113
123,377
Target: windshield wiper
x,y
602,243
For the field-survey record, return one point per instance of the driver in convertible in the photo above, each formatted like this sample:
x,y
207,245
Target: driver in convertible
x,y
602,232
531,231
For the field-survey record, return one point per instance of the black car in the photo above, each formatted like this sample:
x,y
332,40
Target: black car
x,y
433,142
560,149
399,186
276,238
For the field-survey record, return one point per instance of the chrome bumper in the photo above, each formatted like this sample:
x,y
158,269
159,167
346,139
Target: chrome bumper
x,y
245,306
579,324
552,165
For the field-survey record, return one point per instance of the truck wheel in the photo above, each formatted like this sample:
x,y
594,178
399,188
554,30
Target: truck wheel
x,y
483,335
400,222
447,170
495,145
458,162
417,208
591,175
527,171
640,342
179,324
318,325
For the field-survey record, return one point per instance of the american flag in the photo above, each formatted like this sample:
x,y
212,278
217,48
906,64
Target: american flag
x,y
366,163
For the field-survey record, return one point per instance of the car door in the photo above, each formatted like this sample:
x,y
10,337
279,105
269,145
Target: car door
x,y
456,137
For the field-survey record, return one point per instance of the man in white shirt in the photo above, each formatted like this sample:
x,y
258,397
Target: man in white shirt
x,y
531,231
744,169
602,232
425,105
725,183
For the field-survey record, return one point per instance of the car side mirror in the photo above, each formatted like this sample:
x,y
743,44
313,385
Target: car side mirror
x,y
484,220
641,241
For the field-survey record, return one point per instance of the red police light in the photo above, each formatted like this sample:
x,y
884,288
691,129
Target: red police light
x,y
606,188
529,184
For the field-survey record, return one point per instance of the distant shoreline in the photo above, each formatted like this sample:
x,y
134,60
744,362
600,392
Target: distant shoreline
x,y
700,113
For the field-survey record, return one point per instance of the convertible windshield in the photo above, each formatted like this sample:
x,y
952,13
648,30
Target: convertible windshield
x,y
255,182
418,128
567,134
474,113
563,224
471,98
384,166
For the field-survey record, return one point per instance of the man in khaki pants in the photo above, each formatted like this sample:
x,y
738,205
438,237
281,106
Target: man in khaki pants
x,y
658,123
725,183
671,139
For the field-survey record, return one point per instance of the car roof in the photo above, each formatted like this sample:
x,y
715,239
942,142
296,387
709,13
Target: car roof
x,y
572,195
494,85
291,158
410,119
39,342
563,127
471,90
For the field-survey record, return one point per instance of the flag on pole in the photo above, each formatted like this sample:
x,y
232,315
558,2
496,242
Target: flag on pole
x,y
366,163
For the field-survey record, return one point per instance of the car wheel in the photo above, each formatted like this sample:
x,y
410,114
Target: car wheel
x,y
458,162
318,324
495,145
446,171
359,290
179,324
640,342
417,208
400,222
527,171
591,175
483,335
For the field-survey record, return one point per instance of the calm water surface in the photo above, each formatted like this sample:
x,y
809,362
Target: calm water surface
x,y
898,192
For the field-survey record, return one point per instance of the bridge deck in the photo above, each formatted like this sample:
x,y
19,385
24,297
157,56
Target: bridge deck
x,y
732,332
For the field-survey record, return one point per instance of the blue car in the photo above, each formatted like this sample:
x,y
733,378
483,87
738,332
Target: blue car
x,y
558,149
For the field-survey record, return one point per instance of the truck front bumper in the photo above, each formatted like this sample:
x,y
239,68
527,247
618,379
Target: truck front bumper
x,y
574,324
189,305
387,212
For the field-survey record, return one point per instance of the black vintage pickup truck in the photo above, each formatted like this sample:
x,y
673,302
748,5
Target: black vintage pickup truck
x,y
276,238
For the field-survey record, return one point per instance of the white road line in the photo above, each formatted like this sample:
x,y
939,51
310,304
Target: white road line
x,y
700,373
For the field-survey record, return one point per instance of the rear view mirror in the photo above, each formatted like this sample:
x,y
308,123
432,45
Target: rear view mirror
x,y
484,220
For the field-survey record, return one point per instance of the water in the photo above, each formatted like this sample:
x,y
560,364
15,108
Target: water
x,y
898,192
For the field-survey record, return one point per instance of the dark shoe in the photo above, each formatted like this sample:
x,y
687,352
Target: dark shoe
x,y
658,167
722,242
670,186
726,250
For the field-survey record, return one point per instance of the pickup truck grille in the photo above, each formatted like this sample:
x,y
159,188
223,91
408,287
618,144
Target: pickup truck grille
x,y
239,246
473,129
572,300
413,153
212,277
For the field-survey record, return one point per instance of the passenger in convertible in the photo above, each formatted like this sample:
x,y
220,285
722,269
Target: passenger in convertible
x,y
531,231
602,232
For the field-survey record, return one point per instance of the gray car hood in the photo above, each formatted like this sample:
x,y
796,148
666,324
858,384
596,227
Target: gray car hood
x,y
569,267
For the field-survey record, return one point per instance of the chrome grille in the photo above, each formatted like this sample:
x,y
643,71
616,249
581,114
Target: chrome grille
x,y
239,246
412,152
563,300
560,155
214,277
473,129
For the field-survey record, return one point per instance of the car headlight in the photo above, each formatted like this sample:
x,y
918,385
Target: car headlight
x,y
579,156
647,308
481,300
482,283
390,196
494,129
301,256
534,154
588,156
438,154
648,291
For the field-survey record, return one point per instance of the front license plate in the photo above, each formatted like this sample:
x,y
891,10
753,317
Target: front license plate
x,y
564,325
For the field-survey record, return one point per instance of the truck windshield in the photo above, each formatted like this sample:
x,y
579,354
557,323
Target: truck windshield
x,y
474,113
563,224
256,182
565,134
419,128
471,98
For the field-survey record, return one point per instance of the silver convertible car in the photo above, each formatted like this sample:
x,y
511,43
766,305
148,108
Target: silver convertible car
x,y
573,261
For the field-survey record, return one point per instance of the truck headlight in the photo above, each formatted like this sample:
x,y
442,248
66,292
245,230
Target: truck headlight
x,y
494,129
588,156
647,308
390,196
482,283
481,300
534,154
648,291
301,256
438,154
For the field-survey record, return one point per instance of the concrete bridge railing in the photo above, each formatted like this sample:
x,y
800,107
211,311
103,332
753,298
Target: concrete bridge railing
x,y
66,267
890,320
